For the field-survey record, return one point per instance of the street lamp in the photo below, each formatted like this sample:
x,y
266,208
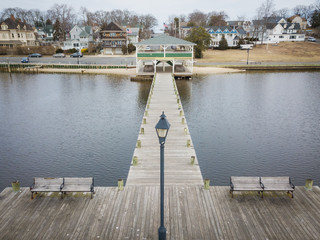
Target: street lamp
x,y
162,129
248,56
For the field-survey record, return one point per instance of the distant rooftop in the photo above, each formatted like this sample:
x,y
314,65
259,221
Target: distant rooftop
x,y
165,40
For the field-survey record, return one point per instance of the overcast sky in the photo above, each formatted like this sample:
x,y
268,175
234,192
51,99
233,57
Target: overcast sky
x,y
162,9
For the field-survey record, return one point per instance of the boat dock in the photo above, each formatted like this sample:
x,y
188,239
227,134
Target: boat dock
x,y
180,161
191,212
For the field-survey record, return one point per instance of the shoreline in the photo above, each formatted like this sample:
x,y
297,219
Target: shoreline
x,y
197,70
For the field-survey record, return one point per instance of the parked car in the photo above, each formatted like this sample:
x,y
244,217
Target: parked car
x,y
59,55
25,60
37,55
312,39
76,54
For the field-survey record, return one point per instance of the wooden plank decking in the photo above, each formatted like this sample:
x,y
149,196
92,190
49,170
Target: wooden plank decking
x,y
190,213
178,169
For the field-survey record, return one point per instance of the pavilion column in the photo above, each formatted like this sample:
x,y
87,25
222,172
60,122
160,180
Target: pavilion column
x,y
173,62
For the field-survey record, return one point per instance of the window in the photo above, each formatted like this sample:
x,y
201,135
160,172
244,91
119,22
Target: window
x,y
18,35
280,36
292,37
112,34
12,35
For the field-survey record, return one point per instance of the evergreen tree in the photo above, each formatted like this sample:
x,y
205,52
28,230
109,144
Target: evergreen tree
x,y
315,19
200,37
57,31
241,41
223,44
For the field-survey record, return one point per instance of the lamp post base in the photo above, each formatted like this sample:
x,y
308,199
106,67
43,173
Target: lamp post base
x,y
162,233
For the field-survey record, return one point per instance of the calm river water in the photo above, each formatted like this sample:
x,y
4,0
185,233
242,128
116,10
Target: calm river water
x,y
264,124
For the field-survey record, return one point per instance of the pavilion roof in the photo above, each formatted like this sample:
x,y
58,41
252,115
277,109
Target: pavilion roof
x,y
165,40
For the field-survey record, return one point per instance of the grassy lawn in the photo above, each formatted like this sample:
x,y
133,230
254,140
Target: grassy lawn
x,y
283,52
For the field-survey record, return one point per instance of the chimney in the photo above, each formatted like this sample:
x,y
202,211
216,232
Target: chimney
x,y
12,17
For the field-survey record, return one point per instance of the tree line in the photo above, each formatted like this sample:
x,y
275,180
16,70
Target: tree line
x,y
264,12
64,17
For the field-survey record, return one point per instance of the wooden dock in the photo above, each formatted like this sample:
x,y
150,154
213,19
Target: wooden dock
x,y
164,96
190,213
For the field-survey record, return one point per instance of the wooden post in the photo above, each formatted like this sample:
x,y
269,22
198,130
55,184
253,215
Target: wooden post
x,y
135,161
309,183
206,184
178,100
185,131
120,184
144,121
188,143
182,120
15,186
193,158
139,143
179,106
146,113
148,106
142,131
181,113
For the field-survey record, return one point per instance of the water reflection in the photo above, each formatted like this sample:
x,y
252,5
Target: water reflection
x,y
255,124
68,125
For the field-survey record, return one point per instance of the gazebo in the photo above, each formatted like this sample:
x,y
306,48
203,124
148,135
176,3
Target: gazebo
x,y
164,54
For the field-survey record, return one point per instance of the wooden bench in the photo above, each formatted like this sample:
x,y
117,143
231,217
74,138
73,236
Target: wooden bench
x,y
245,184
278,184
78,185
46,185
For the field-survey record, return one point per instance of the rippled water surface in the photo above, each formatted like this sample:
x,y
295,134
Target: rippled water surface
x,y
68,125
265,124
255,124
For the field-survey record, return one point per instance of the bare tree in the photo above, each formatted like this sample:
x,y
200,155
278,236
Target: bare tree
x,y
199,18
264,13
283,12
304,11
217,18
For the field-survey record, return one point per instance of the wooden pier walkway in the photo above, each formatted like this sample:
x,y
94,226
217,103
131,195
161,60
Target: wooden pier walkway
x,y
164,96
191,212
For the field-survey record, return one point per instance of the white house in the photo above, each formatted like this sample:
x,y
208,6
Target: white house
x,y
79,38
284,32
232,35
133,35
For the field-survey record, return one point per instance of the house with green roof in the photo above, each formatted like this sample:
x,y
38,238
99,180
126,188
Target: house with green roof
x,y
79,37
164,53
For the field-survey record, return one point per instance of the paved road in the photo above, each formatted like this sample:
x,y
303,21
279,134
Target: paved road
x,y
69,60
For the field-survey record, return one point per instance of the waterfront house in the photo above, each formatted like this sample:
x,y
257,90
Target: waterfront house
x,y
282,32
231,34
14,32
45,33
113,37
80,37
297,19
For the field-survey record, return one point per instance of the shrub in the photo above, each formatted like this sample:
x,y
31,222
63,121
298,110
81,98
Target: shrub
x,y
72,50
84,50
59,50
131,48
124,49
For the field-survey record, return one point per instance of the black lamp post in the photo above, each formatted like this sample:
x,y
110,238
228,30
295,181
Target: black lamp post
x,y
162,129
248,56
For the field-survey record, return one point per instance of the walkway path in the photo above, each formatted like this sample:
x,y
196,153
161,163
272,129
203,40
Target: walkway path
x,y
163,96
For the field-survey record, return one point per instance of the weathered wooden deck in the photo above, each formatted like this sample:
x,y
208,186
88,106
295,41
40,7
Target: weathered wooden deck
x,y
190,213
178,169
